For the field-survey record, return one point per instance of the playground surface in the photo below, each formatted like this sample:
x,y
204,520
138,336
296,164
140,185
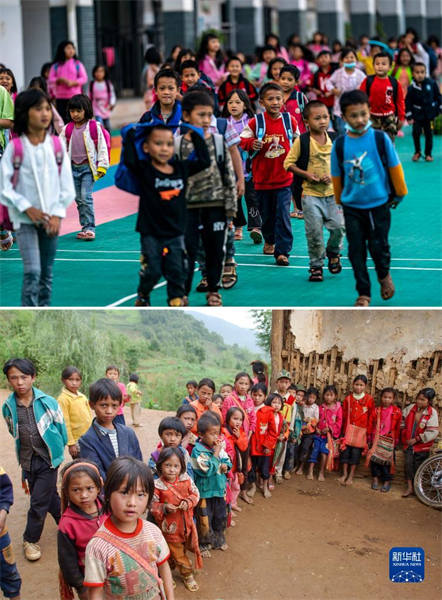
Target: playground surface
x,y
105,272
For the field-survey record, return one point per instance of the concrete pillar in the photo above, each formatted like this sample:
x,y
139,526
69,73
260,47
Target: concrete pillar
x,y
72,21
179,23
391,16
249,24
415,16
11,39
36,32
434,18
331,18
86,34
292,19
362,17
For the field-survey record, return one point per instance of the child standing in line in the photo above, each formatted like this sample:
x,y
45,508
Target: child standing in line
x,y
36,194
36,423
311,417
295,430
75,406
258,391
82,515
210,466
218,401
419,429
102,95
167,108
423,103
153,60
385,97
113,373
276,401
89,158
174,500
283,383
187,415
171,431
106,439
236,81
225,390
206,389
294,100
128,540
271,180
327,431
191,387
259,71
10,580
135,395
236,437
384,431
318,203
360,174
318,82
274,69
356,416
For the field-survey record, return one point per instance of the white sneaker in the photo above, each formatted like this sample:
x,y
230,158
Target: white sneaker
x,y
32,551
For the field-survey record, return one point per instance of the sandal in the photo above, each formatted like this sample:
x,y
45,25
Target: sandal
x,y
416,156
202,286
176,302
429,159
238,234
363,301
230,276
190,583
81,235
316,274
140,301
89,236
334,264
214,299
6,240
387,287
205,551
256,236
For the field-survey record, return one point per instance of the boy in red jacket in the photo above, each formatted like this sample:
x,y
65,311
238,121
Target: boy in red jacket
x,y
385,97
272,181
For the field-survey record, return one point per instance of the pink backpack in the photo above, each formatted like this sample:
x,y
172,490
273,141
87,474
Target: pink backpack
x,y
94,134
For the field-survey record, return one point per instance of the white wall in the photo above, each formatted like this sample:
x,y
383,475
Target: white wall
x,y
11,39
36,35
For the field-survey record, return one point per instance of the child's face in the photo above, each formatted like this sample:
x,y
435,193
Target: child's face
x,y
128,505
276,69
100,74
364,41
287,81
419,74
191,389
82,491
77,115
225,391
40,116
200,116
188,419
405,58
113,374
318,119
267,55
190,76
73,383
381,66
282,385
272,102
218,402
300,397
236,420
329,397
358,386
6,81
258,397
242,385
311,399
235,106
166,91
297,53
234,68
317,38
324,60
159,145
213,45
171,438
20,382
171,468
349,58
276,404
357,115
211,435
392,44
205,395
422,402
69,51
106,410
387,399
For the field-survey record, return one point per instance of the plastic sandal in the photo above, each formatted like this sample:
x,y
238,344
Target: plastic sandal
x,y
214,299
190,584
230,276
363,301
416,156
6,240
334,264
387,287
81,235
316,274
89,236
202,286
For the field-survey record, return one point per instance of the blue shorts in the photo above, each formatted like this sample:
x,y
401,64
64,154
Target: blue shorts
x,y
319,447
10,580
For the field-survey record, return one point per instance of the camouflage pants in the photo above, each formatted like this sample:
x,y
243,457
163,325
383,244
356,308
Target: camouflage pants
x,y
387,124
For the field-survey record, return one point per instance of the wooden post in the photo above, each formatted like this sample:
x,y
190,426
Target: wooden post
x,y
331,375
276,344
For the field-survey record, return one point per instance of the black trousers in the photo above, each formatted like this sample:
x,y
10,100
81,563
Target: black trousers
x,y
217,515
42,482
261,466
306,446
412,461
418,127
368,228
382,472
163,257
210,225
291,456
61,104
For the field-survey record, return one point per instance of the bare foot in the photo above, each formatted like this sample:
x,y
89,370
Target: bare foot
x,y
310,476
224,547
341,480
236,508
298,472
267,493
321,477
246,498
407,493
232,523
349,481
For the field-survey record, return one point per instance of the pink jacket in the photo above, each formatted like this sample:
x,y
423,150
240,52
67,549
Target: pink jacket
x,y
209,68
71,69
331,417
247,406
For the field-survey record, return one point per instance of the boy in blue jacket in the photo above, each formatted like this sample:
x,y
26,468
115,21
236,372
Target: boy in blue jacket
x,y
10,580
171,431
211,464
105,440
36,422
167,108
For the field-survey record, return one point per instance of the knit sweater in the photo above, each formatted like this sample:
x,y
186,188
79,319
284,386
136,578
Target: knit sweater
x,y
76,412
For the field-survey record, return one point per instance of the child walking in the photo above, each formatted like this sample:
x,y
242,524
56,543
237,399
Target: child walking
x,y
36,193
294,100
174,500
10,580
237,438
82,515
210,465
135,395
75,406
87,149
102,95
128,540
327,433
236,81
384,430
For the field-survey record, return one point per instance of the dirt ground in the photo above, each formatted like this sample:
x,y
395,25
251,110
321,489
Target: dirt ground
x,y
310,540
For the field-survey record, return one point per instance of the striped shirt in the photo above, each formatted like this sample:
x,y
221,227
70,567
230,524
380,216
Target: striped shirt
x,y
112,433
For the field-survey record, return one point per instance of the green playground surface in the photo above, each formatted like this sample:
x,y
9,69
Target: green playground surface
x,y
105,272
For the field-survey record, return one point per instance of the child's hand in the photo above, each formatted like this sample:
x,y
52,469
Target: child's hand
x,y
240,187
3,515
183,505
36,215
53,226
280,437
267,451
236,432
412,442
325,179
312,177
170,507
74,450
257,144
217,447
224,468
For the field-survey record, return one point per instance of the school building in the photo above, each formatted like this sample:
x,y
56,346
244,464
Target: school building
x,y
118,31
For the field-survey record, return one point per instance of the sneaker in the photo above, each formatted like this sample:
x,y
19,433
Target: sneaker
x,y
140,301
32,551
268,248
256,236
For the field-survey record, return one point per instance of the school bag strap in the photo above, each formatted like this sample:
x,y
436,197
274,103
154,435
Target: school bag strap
x,y
77,67
221,125
287,121
218,141
93,130
17,156
394,85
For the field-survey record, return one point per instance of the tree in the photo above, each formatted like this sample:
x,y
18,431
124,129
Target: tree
x,y
263,322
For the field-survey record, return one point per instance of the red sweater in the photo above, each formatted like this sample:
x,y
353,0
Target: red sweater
x,y
265,435
381,98
360,411
268,165
317,81
241,443
243,84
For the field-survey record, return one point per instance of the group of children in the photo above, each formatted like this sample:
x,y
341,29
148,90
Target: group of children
x,y
217,449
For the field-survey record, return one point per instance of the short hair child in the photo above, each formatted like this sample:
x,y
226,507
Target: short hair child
x,y
171,431
75,406
188,415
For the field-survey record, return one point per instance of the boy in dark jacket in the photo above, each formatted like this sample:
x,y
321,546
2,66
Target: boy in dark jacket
x,y
167,108
422,104
10,581
104,441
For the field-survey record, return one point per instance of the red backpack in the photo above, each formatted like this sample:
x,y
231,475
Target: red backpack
x,y
93,130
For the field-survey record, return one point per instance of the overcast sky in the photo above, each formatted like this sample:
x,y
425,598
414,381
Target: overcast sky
x,y
239,316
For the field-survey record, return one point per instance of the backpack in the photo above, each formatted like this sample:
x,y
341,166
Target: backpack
x,y
302,162
379,137
218,141
93,130
261,129
108,88
394,85
221,125
124,179
17,156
